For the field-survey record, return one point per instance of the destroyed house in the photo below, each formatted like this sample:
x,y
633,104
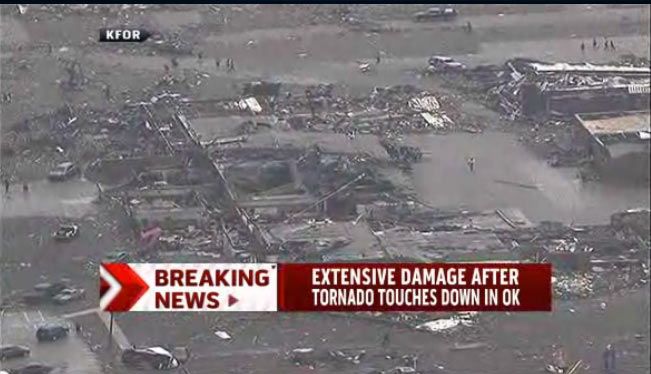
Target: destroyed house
x,y
618,142
169,207
568,89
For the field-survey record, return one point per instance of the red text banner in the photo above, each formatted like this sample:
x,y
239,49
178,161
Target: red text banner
x,y
415,287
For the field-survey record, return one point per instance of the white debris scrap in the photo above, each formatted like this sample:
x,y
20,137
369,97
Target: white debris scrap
x,y
223,335
443,324
424,104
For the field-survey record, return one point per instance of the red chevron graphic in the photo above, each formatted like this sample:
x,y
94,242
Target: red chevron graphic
x,y
103,287
133,287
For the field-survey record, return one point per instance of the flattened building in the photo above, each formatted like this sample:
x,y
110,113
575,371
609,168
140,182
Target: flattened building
x,y
618,142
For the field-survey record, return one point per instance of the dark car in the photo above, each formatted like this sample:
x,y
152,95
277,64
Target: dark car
x,y
117,256
35,298
149,358
50,289
66,232
63,171
52,332
435,14
32,369
13,351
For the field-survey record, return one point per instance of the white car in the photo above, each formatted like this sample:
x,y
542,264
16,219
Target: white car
x,y
444,63
68,295
63,171
157,358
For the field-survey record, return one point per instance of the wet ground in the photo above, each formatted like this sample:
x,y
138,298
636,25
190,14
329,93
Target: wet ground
x,y
72,199
506,174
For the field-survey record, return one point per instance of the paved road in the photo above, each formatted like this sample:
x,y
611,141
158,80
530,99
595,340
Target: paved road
x,y
70,354
72,199
443,179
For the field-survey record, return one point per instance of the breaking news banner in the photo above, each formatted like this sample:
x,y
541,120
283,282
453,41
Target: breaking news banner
x,y
386,287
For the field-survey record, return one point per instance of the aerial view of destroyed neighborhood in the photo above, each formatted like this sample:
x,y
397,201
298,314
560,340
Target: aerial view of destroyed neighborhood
x,y
325,133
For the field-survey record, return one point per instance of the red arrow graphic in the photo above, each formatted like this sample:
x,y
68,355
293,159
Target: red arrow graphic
x,y
133,287
232,300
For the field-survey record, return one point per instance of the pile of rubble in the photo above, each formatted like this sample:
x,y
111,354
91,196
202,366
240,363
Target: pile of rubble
x,y
571,286
386,110
529,88
402,153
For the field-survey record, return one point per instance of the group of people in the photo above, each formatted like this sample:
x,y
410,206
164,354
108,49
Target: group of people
x,y
228,62
230,65
608,44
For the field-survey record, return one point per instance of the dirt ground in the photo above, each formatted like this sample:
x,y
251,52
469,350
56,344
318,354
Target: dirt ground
x,y
300,45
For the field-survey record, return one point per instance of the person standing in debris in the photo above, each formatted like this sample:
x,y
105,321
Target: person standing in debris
x,y
612,45
594,43
99,191
471,164
7,184
605,43
378,58
217,62
582,47
469,27
200,58
107,91
25,187
386,339
609,357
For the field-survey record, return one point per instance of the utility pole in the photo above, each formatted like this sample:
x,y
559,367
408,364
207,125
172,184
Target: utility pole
x,y
110,342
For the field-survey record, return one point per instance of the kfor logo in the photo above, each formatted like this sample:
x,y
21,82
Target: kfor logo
x,y
120,287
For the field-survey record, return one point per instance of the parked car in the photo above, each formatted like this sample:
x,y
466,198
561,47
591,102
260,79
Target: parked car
x,y
69,294
50,289
436,14
52,332
35,297
444,63
33,368
13,351
63,171
117,256
149,358
66,232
